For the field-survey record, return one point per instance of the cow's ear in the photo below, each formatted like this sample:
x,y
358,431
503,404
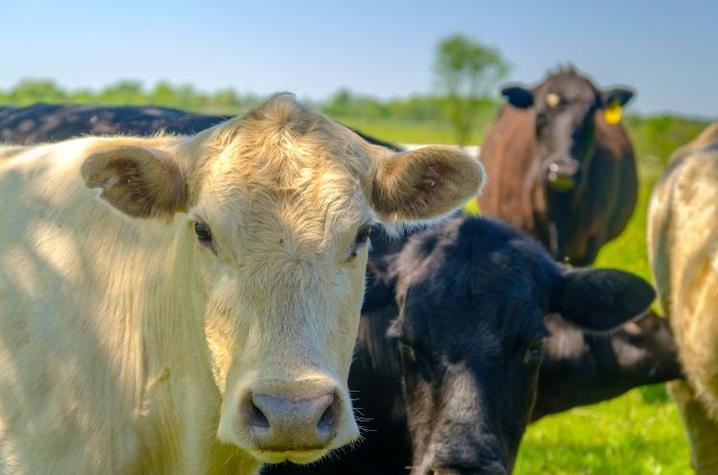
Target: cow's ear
x,y
140,182
424,183
518,96
618,94
601,299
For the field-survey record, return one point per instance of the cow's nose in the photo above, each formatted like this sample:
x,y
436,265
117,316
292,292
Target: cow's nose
x,y
278,423
563,174
564,166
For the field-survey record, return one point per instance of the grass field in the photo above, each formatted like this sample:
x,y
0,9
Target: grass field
x,y
641,432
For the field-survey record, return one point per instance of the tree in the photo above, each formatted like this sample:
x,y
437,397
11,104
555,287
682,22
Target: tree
x,y
124,92
30,91
467,71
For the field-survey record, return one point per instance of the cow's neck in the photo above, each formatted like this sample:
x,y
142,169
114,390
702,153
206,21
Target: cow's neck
x,y
160,320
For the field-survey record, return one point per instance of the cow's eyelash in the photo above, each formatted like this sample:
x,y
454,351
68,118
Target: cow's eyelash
x,y
361,239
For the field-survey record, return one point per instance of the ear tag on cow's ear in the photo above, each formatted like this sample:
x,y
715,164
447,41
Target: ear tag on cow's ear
x,y
612,112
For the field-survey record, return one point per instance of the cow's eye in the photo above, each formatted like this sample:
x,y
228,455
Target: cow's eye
x,y
535,349
419,360
408,350
203,233
361,239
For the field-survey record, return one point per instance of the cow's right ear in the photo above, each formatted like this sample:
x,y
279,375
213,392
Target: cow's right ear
x,y
138,181
518,96
601,299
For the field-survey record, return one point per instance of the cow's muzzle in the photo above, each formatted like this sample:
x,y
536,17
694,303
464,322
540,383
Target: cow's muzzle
x,y
301,424
562,174
289,420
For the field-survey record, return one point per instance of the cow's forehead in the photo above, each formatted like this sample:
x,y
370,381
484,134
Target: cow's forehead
x,y
324,213
480,275
283,144
569,85
290,168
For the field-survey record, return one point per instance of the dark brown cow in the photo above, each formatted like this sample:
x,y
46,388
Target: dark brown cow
x,y
561,166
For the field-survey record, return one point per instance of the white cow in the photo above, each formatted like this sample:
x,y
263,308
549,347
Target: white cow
x,y
683,242
190,304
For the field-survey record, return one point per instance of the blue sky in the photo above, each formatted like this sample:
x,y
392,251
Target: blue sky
x,y
667,50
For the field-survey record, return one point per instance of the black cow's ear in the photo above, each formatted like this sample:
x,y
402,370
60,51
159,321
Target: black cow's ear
x,y
518,96
618,94
601,299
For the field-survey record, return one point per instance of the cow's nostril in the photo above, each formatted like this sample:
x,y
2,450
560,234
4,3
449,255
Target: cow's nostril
x,y
326,423
256,417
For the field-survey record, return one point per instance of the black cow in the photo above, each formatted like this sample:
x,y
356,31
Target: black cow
x,y
451,343
54,122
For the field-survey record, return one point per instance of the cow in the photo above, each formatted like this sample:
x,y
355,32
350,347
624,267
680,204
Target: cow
x,y
451,342
561,165
40,123
190,304
682,238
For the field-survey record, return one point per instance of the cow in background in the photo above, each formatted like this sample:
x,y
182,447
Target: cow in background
x,y
561,166
683,249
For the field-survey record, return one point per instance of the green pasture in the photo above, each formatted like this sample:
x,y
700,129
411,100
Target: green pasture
x,y
641,432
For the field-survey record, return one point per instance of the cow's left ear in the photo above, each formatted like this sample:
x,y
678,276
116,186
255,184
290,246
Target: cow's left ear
x,y
141,182
424,184
601,299
622,95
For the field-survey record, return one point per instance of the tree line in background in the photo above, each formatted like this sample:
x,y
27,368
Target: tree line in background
x,y
466,71
342,104
460,108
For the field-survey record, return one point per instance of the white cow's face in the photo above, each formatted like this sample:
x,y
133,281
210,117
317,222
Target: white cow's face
x,y
279,204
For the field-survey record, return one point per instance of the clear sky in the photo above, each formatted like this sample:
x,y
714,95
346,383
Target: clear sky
x,y
667,50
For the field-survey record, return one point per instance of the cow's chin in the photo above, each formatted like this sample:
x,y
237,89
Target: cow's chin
x,y
297,457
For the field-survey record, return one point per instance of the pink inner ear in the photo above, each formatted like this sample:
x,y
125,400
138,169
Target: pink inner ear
x,y
426,183
136,181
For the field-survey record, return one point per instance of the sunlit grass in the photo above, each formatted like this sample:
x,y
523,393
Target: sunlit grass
x,y
629,435
419,132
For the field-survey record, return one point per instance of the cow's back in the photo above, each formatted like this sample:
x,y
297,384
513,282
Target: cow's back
x,y
72,384
54,122
683,245
45,383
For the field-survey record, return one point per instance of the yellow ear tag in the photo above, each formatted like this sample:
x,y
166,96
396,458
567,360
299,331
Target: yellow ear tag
x,y
612,112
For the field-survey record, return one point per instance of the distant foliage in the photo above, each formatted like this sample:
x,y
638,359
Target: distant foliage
x,y
342,104
413,119
467,72
129,92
